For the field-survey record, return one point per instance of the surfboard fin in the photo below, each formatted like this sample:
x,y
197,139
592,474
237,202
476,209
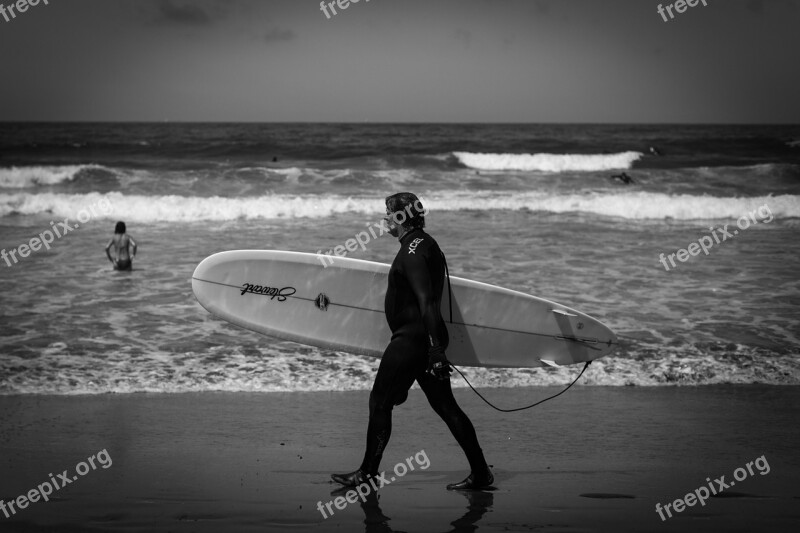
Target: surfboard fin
x,y
560,312
549,363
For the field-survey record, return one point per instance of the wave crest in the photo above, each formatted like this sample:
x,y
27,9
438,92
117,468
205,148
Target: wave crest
x,y
172,208
24,177
629,205
548,162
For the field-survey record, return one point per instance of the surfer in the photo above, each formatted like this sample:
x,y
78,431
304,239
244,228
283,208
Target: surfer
x,y
624,178
124,248
417,348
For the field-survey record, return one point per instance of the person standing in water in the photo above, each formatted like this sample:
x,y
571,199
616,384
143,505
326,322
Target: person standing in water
x,y
417,348
124,248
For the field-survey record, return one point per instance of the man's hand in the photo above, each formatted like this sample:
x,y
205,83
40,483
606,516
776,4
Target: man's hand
x,y
438,365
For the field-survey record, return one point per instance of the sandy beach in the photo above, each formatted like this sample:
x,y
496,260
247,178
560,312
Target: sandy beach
x,y
595,459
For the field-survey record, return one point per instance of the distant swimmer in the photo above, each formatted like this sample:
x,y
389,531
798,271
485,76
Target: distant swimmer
x,y
124,248
274,159
654,150
624,178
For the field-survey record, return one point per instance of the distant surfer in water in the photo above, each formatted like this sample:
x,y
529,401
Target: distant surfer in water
x,y
624,178
124,248
417,348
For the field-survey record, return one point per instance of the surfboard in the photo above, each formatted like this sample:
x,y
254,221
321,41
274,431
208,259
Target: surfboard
x,y
340,306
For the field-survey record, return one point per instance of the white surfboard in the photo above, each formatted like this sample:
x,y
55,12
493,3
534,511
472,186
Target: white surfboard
x,y
290,295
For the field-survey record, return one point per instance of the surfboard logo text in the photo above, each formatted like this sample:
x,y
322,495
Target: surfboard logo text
x,y
273,292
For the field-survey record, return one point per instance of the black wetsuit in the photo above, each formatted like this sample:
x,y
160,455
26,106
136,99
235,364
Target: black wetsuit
x,y
413,311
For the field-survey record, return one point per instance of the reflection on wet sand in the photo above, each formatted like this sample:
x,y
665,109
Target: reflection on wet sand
x,y
478,504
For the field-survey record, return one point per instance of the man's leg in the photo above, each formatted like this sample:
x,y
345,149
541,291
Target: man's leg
x,y
441,398
379,430
395,376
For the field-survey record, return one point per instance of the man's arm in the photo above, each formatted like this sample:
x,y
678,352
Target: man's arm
x,y
416,270
133,244
420,281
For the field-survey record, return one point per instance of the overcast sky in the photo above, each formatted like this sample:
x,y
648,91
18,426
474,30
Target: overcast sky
x,y
402,60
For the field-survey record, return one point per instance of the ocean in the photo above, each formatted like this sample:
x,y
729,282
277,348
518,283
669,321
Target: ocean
x,y
530,207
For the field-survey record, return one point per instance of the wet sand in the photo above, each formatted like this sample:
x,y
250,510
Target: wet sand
x,y
594,459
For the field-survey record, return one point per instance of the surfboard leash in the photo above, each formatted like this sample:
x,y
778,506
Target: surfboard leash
x,y
449,288
450,305
528,406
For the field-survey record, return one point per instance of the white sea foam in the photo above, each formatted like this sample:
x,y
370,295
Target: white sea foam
x,y
308,369
548,162
22,177
628,205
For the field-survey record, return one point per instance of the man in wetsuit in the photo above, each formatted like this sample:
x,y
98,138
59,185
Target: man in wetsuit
x,y
417,347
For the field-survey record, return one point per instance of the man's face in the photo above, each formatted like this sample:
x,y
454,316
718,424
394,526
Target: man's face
x,y
390,223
